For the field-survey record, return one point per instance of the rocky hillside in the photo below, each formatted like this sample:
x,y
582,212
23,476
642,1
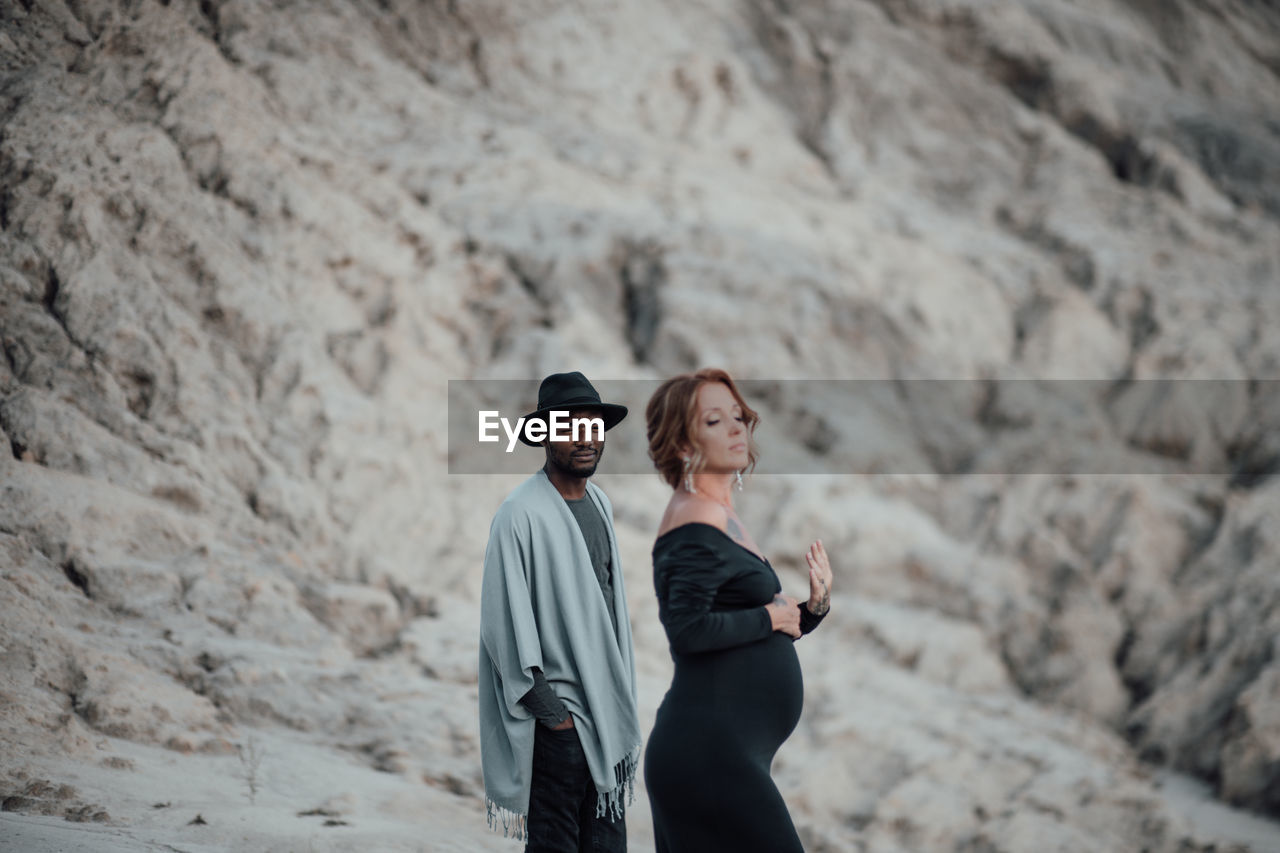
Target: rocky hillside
x,y
244,244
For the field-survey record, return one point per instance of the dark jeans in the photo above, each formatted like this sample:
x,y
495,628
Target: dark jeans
x,y
562,800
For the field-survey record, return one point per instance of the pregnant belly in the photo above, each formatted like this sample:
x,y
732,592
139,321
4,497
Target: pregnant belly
x,y
753,693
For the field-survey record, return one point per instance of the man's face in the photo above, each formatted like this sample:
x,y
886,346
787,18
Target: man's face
x,y
577,458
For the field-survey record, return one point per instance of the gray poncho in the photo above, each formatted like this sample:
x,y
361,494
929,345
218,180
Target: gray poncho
x,y
540,605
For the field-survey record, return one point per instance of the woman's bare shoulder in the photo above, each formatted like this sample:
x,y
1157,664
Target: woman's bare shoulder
x,y
692,509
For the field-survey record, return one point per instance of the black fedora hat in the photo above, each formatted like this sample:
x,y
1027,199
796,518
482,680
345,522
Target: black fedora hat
x,y
566,391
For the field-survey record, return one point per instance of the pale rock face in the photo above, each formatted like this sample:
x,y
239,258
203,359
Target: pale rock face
x,y
1204,675
369,619
1075,340
244,244
444,645
1249,759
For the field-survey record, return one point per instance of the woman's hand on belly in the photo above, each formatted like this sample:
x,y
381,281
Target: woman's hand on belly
x,y
784,615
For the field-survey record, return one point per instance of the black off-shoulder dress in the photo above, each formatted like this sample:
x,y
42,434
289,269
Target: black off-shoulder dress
x,y
736,696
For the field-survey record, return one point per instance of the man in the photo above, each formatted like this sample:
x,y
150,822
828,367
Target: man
x,y
559,730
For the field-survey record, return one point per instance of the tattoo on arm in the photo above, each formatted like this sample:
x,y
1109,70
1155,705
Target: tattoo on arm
x,y
824,604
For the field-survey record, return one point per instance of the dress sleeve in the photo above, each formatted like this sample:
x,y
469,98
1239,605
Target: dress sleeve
x,y
686,579
807,620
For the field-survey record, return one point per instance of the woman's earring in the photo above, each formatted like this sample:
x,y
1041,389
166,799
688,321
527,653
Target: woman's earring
x,y
738,474
688,476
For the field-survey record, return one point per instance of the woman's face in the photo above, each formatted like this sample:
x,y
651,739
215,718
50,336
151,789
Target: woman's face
x,y
718,429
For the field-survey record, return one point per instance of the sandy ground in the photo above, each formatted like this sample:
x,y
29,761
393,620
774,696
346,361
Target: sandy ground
x,y
153,807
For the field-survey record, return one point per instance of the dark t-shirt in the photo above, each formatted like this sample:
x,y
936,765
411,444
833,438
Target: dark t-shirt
x,y
591,522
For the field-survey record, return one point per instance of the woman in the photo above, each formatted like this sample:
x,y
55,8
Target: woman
x,y
737,690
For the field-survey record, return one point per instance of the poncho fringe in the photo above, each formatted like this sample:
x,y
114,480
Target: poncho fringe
x,y
610,802
515,825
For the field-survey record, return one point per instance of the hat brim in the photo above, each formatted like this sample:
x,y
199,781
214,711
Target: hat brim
x,y
611,413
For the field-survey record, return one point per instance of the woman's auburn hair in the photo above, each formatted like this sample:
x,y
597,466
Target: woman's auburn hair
x,y
672,413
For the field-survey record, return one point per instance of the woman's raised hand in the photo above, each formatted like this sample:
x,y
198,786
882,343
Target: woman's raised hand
x,y
819,579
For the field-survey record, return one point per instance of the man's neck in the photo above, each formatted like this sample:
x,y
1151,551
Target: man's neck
x,y
571,488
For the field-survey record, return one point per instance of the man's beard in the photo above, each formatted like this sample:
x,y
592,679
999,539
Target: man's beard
x,y
587,472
